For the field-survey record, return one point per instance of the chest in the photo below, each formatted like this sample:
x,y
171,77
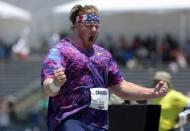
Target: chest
x,y
77,61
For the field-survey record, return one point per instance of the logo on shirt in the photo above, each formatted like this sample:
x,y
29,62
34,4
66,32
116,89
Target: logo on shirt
x,y
98,53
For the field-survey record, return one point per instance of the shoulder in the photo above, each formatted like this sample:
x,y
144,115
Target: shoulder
x,y
178,95
62,46
60,49
102,50
175,92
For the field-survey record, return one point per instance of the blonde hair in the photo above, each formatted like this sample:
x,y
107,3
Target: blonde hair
x,y
81,10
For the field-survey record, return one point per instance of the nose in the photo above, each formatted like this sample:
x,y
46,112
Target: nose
x,y
94,28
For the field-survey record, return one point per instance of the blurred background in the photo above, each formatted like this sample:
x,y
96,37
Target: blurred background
x,y
143,36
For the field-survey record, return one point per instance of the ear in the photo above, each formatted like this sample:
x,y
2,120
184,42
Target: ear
x,y
76,25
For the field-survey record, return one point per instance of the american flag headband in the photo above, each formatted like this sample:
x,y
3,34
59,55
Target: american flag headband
x,y
88,18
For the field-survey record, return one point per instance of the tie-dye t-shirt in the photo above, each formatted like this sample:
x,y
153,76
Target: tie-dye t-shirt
x,y
84,69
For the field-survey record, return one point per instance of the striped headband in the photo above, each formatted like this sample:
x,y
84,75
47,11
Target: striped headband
x,y
88,18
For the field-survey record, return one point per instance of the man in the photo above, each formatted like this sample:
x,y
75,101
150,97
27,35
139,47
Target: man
x,y
171,105
77,74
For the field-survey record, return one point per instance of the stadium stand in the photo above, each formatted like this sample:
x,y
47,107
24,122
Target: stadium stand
x,y
18,77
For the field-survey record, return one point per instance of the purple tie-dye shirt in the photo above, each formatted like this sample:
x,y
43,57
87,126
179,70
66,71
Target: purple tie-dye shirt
x,y
84,69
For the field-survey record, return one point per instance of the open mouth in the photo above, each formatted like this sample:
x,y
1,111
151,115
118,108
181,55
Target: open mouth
x,y
91,39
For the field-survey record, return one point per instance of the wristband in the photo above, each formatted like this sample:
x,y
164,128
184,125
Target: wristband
x,y
53,87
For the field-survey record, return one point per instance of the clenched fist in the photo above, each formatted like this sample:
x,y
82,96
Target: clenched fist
x,y
59,77
161,89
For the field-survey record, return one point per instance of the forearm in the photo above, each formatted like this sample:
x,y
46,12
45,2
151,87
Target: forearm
x,y
48,90
131,91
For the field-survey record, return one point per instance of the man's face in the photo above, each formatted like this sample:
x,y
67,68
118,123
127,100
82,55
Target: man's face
x,y
88,33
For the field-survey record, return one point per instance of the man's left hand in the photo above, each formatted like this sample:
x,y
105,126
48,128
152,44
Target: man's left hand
x,y
161,89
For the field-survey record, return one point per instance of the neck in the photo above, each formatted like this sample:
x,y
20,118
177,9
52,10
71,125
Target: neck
x,y
76,41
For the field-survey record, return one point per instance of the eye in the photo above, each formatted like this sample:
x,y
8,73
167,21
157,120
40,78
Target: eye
x,y
97,26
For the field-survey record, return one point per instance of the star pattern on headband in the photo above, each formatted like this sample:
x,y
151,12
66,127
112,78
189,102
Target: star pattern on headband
x,y
92,18
88,18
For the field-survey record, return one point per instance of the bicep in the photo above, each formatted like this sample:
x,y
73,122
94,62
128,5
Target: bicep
x,y
117,89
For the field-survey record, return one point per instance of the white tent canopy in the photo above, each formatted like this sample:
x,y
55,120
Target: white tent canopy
x,y
127,5
135,6
8,11
13,21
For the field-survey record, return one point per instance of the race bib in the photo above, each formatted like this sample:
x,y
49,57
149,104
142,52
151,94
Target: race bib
x,y
99,98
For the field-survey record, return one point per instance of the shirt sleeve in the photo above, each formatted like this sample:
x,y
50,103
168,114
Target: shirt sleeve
x,y
114,74
181,100
53,60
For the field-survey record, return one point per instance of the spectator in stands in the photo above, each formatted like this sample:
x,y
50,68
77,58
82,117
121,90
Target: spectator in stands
x,y
186,50
4,115
112,47
8,117
2,52
11,102
21,49
124,50
172,55
150,44
77,74
140,51
171,104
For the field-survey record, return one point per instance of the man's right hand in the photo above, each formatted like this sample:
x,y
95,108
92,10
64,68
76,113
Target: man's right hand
x,y
59,77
